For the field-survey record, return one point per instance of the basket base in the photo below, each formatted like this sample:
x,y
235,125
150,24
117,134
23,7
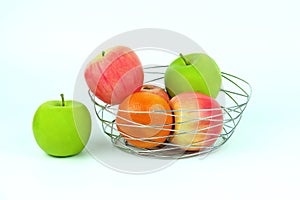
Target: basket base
x,y
164,151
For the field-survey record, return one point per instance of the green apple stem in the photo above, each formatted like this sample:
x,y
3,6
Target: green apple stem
x,y
62,99
103,53
184,59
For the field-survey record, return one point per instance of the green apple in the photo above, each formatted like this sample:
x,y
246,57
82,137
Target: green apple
x,y
62,128
195,72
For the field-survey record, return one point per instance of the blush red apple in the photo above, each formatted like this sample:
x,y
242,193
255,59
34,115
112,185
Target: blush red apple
x,y
114,74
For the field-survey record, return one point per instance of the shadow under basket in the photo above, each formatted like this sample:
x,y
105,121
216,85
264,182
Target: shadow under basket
x,y
233,99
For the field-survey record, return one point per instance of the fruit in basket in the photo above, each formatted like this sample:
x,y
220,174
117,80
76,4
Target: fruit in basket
x,y
143,116
114,74
156,90
198,120
62,128
193,72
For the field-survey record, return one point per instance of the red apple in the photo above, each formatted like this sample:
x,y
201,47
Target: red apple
x,y
114,74
156,90
198,120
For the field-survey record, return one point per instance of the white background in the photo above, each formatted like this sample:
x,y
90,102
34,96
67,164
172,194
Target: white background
x,y
43,45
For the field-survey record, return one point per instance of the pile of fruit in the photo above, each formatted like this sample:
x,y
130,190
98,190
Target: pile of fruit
x,y
184,113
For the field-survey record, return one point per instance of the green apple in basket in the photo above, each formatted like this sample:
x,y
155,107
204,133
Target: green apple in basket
x,y
195,72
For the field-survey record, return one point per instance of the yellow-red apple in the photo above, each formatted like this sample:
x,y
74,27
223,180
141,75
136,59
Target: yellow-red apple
x,y
198,120
114,74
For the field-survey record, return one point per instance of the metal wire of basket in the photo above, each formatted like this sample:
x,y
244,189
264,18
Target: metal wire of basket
x,y
233,98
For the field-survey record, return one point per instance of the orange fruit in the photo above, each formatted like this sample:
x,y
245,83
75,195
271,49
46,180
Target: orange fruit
x,y
141,117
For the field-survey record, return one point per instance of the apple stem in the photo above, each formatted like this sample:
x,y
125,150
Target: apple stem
x,y
103,53
62,99
184,59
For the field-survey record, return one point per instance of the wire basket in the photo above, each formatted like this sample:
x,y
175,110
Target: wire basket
x,y
233,99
